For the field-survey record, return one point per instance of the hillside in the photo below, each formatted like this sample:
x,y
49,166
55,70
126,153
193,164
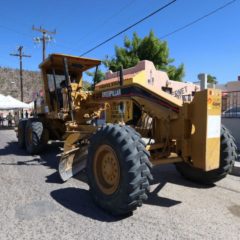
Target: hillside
x,y
10,83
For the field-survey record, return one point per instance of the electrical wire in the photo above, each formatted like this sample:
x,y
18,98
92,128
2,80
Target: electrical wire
x,y
98,27
129,27
15,31
141,20
198,19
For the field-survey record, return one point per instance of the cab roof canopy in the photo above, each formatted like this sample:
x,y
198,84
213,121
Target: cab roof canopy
x,y
75,63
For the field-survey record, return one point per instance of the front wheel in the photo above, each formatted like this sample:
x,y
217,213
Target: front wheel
x,y
118,169
228,155
36,136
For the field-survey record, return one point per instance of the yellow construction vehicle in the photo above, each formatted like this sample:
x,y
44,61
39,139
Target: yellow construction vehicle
x,y
143,126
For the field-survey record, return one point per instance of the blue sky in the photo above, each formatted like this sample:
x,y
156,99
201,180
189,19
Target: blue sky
x,y
210,46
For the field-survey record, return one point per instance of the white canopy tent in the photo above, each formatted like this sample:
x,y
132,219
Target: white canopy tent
x,y
31,105
10,103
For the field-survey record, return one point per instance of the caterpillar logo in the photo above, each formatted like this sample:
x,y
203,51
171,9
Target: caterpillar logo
x,y
111,93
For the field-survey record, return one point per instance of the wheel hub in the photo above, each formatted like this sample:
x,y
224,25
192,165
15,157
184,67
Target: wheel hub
x,y
106,169
109,166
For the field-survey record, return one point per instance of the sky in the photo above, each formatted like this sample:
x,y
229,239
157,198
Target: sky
x,y
210,46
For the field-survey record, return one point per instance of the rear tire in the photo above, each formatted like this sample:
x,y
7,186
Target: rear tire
x,y
118,169
36,136
228,155
21,133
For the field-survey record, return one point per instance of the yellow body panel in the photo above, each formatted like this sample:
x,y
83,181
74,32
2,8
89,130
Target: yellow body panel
x,y
206,120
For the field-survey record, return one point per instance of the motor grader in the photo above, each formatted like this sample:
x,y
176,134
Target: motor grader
x,y
145,127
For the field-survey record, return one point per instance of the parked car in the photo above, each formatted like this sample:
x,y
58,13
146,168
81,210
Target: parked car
x,y
232,112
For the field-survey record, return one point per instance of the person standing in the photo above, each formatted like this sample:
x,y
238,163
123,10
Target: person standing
x,y
9,119
1,119
26,114
16,118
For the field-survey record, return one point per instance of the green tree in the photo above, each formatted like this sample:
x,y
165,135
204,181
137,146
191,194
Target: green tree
x,y
96,79
149,48
211,79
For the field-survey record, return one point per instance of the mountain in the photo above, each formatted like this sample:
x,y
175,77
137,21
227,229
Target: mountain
x,y
32,83
10,83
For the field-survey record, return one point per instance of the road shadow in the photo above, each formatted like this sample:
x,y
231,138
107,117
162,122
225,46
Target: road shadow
x,y
32,162
156,200
6,128
49,157
13,149
168,174
80,201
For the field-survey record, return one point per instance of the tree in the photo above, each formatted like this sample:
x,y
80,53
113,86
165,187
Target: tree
x,y
96,79
149,48
211,79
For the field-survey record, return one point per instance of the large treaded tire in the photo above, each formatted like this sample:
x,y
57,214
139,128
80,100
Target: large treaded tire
x,y
36,136
134,164
21,133
228,155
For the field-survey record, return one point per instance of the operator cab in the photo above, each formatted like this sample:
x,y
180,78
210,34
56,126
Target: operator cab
x,y
60,74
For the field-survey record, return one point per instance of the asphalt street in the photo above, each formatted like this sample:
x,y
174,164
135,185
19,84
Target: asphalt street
x,y
36,204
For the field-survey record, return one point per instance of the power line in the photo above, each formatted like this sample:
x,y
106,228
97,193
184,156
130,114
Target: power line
x,y
98,27
129,27
198,19
15,31
45,38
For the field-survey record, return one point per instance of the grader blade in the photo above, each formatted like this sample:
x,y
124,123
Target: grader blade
x,y
72,162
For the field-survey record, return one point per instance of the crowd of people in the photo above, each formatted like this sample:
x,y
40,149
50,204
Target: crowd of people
x,y
10,119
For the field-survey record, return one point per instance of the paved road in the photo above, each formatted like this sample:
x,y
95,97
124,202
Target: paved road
x,y
35,204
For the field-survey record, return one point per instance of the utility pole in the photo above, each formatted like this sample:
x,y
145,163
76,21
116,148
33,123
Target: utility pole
x,y
20,54
44,39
